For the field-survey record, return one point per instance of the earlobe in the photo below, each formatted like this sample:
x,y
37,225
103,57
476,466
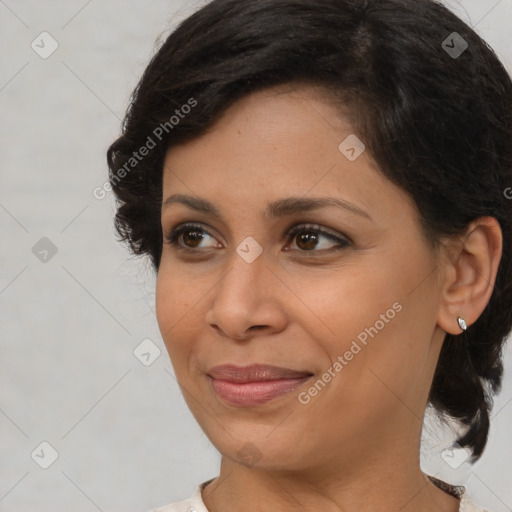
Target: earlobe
x,y
471,269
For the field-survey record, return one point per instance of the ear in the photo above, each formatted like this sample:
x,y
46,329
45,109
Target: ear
x,y
470,273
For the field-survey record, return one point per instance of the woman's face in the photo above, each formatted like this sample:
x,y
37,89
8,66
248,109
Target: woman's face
x,y
350,299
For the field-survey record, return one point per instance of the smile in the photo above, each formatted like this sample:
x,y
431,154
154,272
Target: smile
x,y
254,385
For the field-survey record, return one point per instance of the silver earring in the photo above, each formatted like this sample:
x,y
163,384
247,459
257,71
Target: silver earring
x,y
462,323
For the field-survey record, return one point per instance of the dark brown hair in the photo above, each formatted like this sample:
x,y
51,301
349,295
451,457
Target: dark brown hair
x,y
425,93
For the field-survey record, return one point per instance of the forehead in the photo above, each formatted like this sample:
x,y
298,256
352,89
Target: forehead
x,y
276,143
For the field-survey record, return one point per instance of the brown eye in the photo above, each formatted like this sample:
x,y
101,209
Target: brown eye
x,y
189,237
307,241
192,237
311,238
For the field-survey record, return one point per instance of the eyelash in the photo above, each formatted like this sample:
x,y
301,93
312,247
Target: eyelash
x,y
175,233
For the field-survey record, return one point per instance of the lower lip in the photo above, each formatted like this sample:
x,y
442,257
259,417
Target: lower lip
x,y
255,393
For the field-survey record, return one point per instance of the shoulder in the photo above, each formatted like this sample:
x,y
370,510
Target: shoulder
x,y
196,504
193,504
459,491
468,505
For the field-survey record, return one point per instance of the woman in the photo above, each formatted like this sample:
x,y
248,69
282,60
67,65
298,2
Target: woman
x,y
323,188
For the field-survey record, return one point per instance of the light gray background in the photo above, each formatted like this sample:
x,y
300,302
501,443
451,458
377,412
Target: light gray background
x,y
124,436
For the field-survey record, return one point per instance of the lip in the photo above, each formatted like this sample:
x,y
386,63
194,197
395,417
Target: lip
x,y
256,384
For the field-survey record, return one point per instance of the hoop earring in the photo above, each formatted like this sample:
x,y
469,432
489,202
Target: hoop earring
x,y
462,323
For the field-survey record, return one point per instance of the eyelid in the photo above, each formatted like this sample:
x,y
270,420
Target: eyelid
x,y
177,230
327,232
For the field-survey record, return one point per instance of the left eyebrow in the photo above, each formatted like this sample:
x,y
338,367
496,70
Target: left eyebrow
x,y
292,205
279,208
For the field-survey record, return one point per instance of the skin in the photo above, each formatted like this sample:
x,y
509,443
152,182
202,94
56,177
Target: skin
x,y
355,445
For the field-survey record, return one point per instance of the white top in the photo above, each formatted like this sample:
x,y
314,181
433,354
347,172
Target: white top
x,y
196,504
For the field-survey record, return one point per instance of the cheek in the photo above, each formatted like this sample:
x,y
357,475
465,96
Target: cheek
x,y
369,316
353,301
174,301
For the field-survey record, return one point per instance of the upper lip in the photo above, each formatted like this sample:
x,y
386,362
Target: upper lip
x,y
254,373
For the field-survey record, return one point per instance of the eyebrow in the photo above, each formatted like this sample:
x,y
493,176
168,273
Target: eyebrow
x,y
279,208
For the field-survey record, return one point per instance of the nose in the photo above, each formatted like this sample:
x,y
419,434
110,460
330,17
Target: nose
x,y
248,300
